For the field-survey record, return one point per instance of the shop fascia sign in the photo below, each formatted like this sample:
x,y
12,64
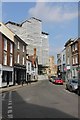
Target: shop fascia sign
x,y
68,67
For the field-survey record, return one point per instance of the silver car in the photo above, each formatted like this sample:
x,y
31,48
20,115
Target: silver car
x,y
72,85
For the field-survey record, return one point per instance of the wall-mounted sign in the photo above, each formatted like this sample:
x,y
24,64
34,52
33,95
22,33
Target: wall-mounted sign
x,y
68,67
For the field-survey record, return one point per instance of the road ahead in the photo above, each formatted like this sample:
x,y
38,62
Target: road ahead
x,y
40,100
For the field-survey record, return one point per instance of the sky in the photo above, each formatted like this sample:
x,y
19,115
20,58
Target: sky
x,y
59,19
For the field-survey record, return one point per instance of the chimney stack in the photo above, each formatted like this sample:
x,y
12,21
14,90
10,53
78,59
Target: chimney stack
x,y
34,51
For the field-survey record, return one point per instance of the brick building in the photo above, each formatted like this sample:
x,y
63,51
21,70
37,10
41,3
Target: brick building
x,y
75,49
6,56
20,51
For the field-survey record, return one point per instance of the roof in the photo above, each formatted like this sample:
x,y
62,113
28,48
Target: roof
x,y
16,36
13,23
36,19
17,24
45,33
69,41
6,31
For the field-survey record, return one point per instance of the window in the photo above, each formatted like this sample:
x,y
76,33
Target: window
x,y
18,45
28,66
63,57
18,58
11,57
23,60
5,44
72,47
4,76
5,58
11,48
76,59
76,46
23,48
73,60
68,61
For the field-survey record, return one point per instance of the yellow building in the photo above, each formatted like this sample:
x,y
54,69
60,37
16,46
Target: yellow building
x,y
52,70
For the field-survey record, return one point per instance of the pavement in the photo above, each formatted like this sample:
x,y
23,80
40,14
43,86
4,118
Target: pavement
x,y
6,89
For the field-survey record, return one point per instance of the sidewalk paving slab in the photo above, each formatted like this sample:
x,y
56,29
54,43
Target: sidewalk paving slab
x,y
6,89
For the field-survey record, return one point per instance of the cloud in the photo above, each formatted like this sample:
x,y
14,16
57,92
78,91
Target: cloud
x,y
55,13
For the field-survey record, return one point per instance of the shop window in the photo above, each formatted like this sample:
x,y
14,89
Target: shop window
x,y
4,76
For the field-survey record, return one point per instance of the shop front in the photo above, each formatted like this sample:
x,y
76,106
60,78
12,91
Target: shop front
x,y
19,74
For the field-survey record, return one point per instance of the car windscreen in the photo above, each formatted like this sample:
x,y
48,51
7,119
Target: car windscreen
x,y
53,77
74,81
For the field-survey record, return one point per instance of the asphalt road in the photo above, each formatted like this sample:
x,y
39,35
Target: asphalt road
x,y
40,100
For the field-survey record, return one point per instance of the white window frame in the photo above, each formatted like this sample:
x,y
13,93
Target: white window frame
x,y
73,60
73,48
23,60
18,45
68,62
5,44
11,59
76,46
28,66
76,59
5,58
23,48
18,58
11,47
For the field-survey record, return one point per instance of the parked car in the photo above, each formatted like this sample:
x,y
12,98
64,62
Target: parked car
x,y
52,78
78,90
58,81
72,85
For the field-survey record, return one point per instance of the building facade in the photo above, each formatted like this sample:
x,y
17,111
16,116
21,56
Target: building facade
x,y
6,56
20,51
68,58
75,49
59,68
31,32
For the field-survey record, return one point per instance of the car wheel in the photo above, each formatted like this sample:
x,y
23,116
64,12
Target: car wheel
x,y
70,89
66,87
78,92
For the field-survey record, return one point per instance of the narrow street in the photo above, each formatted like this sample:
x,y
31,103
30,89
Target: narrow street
x,y
40,100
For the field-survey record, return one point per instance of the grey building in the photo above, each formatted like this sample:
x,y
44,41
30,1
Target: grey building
x,y
31,32
68,58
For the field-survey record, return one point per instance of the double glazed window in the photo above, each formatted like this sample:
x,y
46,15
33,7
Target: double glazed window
x,y
5,44
11,59
11,47
18,58
5,58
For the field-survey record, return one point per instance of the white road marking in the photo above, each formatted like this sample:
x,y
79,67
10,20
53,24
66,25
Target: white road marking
x,y
10,116
10,111
9,107
9,103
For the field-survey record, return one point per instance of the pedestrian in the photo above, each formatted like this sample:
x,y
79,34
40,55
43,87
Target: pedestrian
x,y
22,82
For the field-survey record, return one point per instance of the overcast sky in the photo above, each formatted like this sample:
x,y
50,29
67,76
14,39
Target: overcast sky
x,y
59,19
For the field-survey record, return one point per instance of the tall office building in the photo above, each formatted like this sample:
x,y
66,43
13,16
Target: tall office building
x,y
31,32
